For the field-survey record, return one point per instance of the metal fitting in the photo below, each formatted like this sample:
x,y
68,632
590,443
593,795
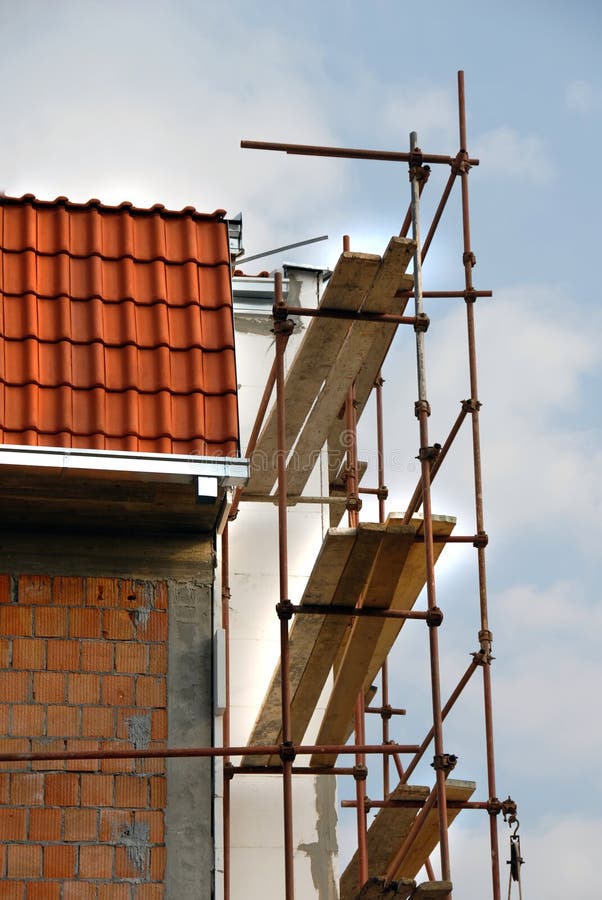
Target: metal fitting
x,y
360,773
422,322
494,806
386,711
429,453
382,492
469,259
471,405
434,617
367,804
284,610
509,809
422,406
415,163
287,751
228,771
353,504
444,761
379,381
282,325
460,165
481,539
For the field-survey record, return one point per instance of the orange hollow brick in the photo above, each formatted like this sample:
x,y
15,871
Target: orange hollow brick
x,y
98,721
118,690
118,766
117,625
125,867
51,746
131,657
68,591
113,822
62,789
62,721
157,866
45,825
43,890
158,791
159,724
83,688
59,861
83,765
4,783
155,820
81,824
84,623
13,824
5,589
79,890
16,620
114,892
157,659
14,745
97,790
151,691
27,720
14,687
5,653
149,892
102,592
50,621
12,890
28,653
24,861
4,711
97,656
26,789
96,861
49,687
131,791
154,628
34,589
62,655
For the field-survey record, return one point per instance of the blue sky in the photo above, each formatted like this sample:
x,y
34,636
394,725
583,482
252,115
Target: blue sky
x,y
148,102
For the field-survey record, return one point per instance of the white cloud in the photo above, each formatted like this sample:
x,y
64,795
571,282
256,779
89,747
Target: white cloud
x,y
506,153
430,111
581,97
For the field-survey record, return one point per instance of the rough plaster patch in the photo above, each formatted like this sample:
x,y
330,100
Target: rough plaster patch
x,y
140,615
135,839
322,852
139,731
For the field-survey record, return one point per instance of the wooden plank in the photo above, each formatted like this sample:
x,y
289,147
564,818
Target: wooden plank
x,y
432,890
407,591
428,836
376,889
386,833
349,361
320,588
315,357
333,629
350,679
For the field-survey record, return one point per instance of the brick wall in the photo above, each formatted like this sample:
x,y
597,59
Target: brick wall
x,y
83,665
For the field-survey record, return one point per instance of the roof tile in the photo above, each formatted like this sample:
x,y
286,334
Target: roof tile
x,y
116,328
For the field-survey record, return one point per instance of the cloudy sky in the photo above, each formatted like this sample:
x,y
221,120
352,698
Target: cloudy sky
x,y
148,101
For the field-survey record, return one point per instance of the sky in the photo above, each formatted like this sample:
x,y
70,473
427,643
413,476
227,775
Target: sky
x,y
148,102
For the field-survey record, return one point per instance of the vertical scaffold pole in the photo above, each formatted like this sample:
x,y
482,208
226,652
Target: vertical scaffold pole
x,y
422,412
485,635
282,327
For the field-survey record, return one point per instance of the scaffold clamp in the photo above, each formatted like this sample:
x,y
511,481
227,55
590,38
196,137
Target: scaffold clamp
x,y
284,609
287,751
434,617
444,761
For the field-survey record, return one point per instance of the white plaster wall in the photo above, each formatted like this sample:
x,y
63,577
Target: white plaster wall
x,y
257,859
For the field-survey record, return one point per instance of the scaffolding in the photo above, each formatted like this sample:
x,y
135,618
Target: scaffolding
x,y
369,574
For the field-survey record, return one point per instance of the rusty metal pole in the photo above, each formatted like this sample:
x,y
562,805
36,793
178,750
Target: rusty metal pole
x,y
281,329
226,717
422,412
380,445
485,635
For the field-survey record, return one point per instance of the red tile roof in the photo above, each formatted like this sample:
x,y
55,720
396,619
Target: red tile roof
x,y
116,328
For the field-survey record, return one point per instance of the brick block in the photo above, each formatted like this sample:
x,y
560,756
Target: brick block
x,y
5,589
84,623
151,690
96,861
161,595
62,721
134,593
49,687
59,861
120,766
83,688
62,789
113,822
157,863
118,690
62,655
79,890
50,621
26,789
4,711
15,620
81,824
124,865
43,890
12,890
34,589
150,765
68,591
52,746
4,784
114,891
98,721
123,715
157,659
154,629
155,820
97,790
45,825
130,657
83,765
102,592
14,687
117,625
97,656
131,791
159,725
28,653
158,792
4,653
14,745
149,892
27,720
24,861
13,825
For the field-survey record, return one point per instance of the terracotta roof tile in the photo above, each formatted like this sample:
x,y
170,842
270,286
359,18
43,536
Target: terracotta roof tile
x,y
116,328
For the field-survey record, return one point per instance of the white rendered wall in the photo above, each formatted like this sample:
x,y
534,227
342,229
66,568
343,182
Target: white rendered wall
x,y
257,858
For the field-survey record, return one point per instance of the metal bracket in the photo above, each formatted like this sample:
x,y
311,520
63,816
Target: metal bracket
x,y
444,761
287,751
422,322
468,258
471,405
353,504
360,773
481,539
429,453
228,771
434,617
422,406
284,610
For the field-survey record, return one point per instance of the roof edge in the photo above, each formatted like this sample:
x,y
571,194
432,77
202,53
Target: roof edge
x,y
125,206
